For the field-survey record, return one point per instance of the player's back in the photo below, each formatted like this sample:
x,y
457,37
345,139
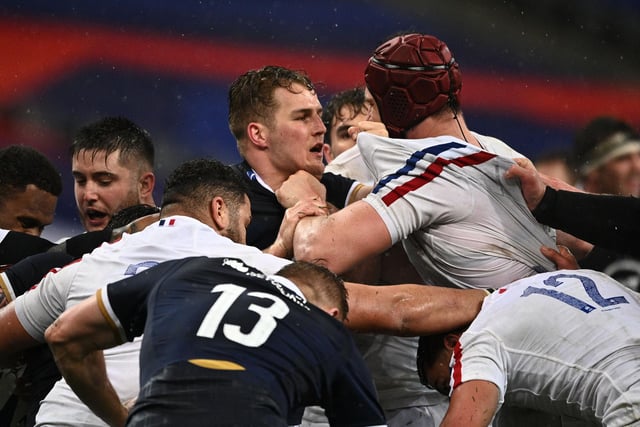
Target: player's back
x,y
464,224
171,238
221,320
569,341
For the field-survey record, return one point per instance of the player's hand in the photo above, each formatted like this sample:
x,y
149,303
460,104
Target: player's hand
x,y
376,128
300,186
129,403
531,182
283,245
562,257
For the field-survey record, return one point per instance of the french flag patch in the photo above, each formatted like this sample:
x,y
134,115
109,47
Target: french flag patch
x,y
169,223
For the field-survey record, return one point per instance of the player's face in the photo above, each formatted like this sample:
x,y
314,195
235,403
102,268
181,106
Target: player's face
x,y
102,187
339,133
438,373
28,211
295,136
621,176
239,220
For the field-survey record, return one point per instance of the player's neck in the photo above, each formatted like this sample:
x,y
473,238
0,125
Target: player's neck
x,y
443,124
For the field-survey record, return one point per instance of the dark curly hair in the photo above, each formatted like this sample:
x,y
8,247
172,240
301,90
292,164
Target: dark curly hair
x,y
21,166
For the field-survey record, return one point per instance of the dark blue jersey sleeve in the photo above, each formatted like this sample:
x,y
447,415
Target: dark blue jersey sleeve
x,y
128,297
337,188
604,220
17,246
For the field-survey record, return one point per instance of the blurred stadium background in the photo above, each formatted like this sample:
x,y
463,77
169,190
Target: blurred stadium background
x,y
533,71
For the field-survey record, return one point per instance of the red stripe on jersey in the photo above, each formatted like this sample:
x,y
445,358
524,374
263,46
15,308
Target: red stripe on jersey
x,y
456,373
433,171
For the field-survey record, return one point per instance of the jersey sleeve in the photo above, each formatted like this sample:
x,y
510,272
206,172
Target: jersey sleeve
x,y
84,243
479,356
612,221
17,246
25,274
417,183
39,307
338,188
124,304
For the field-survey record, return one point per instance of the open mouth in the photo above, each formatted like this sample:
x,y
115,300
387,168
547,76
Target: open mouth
x,y
93,214
317,148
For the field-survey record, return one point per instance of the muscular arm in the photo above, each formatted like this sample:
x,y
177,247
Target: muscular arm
x,y
76,339
472,404
343,239
607,221
283,245
360,192
411,310
13,337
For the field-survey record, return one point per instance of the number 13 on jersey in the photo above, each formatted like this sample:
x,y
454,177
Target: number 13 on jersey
x,y
273,309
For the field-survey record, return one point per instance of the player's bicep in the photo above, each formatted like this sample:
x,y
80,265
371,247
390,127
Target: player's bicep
x,y
40,307
13,337
473,404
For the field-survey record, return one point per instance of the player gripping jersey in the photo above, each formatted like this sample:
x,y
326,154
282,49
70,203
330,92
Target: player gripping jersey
x,y
462,223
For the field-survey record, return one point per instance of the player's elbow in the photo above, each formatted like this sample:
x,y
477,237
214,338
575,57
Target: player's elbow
x,y
308,244
61,343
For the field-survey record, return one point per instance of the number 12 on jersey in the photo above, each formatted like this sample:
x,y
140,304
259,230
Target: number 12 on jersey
x,y
589,286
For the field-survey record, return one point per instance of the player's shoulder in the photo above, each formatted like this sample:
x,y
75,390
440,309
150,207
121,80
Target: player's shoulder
x,y
496,146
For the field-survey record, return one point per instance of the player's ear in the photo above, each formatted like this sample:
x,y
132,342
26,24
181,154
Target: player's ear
x,y
333,312
258,134
450,341
326,152
219,213
146,183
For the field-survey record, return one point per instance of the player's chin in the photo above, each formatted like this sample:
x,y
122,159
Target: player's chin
x,y
316,169
95,224
632,189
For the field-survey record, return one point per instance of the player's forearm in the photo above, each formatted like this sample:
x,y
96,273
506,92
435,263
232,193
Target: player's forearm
x,y
436,309
411,310
611,222
76,340
309,242
472,404
341,240
87,377
13,337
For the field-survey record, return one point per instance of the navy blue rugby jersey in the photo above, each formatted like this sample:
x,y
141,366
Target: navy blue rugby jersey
x,y
267,213
220,314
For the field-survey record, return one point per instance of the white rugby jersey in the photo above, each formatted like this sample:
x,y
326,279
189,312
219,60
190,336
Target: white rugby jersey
x,y
171,238
461,222
349,163
390,359
565,342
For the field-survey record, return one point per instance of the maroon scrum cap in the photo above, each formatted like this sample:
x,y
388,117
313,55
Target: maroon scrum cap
x,y
411,77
